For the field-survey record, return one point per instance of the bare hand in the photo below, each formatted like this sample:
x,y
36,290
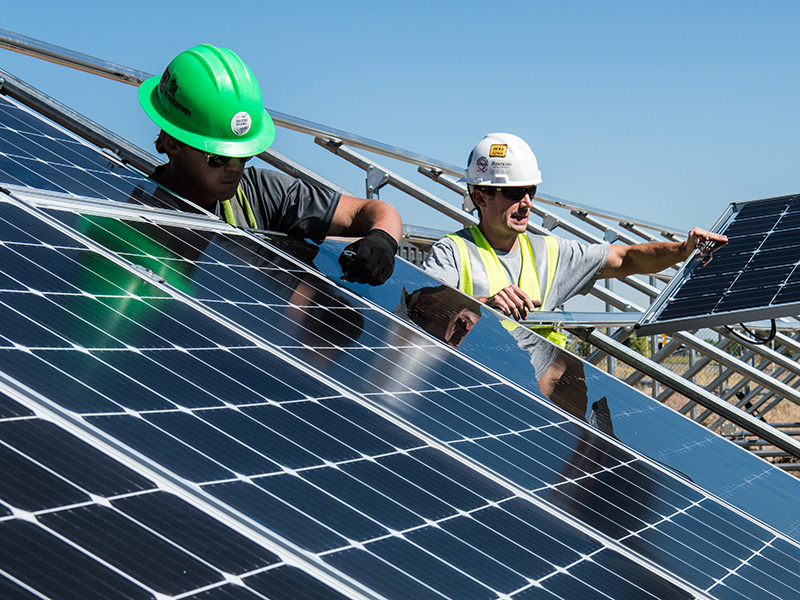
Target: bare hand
x,y
706,242
513,301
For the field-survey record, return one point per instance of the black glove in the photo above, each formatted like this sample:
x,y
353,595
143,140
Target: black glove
x,y
370,259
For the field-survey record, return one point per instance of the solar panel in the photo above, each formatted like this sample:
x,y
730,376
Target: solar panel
x,y
321,471
365,456
753,277
318,458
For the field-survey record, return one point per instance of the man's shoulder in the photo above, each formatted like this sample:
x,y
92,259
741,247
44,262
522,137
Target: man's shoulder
x,y
464,232
258,176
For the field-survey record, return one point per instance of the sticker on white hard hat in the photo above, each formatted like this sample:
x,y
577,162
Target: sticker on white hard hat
x,y
240,123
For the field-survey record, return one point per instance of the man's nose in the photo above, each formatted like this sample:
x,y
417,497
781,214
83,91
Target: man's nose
x,y
235,164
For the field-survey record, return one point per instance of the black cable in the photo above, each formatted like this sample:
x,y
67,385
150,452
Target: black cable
x,y
754,337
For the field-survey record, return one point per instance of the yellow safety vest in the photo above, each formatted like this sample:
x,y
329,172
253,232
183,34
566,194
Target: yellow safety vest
x,y
498,278
230,216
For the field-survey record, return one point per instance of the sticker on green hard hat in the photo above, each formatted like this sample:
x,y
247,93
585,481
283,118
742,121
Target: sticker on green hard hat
x,y
241,123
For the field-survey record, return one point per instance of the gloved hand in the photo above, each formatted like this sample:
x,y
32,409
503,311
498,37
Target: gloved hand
x,y
370,259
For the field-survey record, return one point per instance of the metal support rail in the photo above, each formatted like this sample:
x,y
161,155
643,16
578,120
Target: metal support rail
x,y
672,237
696,369
788,369
90,64
758,397
397,181
740,367
612,216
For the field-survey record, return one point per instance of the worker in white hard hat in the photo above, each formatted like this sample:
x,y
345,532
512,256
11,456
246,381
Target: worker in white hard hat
x,y
504,266
508,268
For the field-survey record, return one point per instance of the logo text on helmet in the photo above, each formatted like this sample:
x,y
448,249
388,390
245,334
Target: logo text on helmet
x,y
481,164
241,123
168,86
498,150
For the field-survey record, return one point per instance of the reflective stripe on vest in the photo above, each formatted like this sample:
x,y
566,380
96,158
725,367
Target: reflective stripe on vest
x,y
230,216
498,278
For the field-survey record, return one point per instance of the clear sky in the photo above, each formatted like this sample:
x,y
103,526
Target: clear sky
x,y
666,111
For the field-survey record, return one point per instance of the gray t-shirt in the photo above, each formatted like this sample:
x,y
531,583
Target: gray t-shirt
x,y
283,203
279,202
577,269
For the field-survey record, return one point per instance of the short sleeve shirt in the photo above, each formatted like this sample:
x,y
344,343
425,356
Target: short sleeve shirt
x,y
280,203
577,269
288,205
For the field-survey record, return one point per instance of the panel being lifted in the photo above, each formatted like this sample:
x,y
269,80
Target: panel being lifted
x,y
754,277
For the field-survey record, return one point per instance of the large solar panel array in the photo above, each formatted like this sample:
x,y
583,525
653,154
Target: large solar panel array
x,y
755,276
169,392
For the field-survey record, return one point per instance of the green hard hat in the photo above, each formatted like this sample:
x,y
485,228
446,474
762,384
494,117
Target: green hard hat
x,y
209,99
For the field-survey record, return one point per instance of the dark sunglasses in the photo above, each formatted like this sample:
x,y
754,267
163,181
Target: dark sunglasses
x,y
215,161
515,194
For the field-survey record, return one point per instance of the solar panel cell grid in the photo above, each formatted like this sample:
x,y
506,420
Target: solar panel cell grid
x,y
250,478
746,277
82,525
39,155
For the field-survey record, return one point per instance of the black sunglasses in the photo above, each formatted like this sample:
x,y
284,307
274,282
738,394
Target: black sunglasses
x,y
215,161
515,194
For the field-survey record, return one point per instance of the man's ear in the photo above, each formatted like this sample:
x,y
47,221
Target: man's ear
x,y
478,198
170,144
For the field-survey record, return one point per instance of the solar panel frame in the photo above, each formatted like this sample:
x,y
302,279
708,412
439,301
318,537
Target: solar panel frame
x,y
754,277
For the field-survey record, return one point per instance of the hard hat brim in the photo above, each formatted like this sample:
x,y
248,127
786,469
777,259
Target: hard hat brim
x,y
250,145
490,183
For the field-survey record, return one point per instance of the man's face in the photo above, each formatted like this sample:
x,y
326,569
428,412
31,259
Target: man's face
x,y
437,314
504,215
200,181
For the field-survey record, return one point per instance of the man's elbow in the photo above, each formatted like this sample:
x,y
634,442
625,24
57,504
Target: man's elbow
x,y
615,264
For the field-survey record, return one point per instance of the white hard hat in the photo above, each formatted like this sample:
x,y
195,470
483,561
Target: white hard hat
x,y
503,160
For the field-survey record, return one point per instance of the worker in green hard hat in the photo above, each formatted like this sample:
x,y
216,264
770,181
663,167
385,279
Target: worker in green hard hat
x,y
209,107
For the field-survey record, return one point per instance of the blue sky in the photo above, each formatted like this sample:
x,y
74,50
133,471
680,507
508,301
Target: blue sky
x,y
666,111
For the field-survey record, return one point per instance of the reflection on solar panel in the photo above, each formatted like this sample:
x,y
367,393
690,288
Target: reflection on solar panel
x,y
638,421
755,276
192,413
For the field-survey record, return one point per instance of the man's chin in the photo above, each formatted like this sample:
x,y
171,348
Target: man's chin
x,y
228,190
